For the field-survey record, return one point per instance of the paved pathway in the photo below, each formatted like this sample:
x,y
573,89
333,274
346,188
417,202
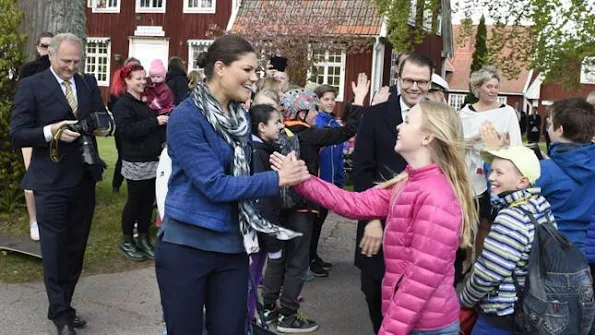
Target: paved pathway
x,y
128,303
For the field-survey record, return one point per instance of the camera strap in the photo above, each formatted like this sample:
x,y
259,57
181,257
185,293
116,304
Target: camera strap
x,y
54,144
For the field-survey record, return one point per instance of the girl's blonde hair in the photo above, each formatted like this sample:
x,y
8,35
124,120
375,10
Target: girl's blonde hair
x,y
449,153
194,77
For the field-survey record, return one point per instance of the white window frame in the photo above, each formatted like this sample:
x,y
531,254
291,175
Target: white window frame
x,y
588,71
326,65
192,56
107,9
140,9
199,10
108,56
502,99
427,18
456,100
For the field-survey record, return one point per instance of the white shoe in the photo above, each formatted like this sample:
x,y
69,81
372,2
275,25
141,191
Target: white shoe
x,y
34,230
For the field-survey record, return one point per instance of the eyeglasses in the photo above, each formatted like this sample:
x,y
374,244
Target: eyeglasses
x,y
44,46
408,82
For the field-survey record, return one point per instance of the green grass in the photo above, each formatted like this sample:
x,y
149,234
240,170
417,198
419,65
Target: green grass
x,y
102,254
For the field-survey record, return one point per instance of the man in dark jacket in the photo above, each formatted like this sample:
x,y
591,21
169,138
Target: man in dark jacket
x,y
375,160
176,79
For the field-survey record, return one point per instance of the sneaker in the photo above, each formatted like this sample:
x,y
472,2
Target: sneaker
x,y
325,265
317,270
271,314
295,323
34,231
308,276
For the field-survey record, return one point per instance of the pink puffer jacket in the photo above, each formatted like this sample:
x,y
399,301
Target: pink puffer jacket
x,y
421,237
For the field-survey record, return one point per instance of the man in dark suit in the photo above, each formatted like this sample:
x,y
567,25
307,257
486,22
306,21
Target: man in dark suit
x,y
375,160
64,190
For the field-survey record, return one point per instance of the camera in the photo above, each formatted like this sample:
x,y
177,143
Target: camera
x,y
98,122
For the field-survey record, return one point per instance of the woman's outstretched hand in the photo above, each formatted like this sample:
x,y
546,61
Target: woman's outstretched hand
x,y
291,170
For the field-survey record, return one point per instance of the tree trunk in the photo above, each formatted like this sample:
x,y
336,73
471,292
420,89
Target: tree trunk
x,y
55,16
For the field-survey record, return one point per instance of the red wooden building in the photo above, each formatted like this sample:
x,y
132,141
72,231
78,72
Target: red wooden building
x,y
147,30
358,18
150,29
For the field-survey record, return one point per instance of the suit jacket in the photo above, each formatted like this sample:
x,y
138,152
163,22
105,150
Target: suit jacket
x,y
375,160
40,101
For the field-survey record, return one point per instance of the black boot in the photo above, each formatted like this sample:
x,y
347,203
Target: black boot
x,y
144,246
129,249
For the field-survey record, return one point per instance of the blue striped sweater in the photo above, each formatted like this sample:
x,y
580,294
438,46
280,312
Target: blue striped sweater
x,y
506,249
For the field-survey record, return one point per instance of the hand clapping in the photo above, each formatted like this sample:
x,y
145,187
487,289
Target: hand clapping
x,y
291,170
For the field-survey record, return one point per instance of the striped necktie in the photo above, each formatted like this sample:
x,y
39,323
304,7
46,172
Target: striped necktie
x,y
70,97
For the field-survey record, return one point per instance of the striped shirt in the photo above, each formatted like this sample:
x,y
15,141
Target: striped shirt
x,y
506,249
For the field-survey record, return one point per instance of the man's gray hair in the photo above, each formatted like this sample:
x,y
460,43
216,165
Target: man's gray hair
x,y
58,39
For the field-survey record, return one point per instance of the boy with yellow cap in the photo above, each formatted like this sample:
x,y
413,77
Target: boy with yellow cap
x,y
508,244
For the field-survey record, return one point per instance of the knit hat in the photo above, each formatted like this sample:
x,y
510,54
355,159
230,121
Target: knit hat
x,y
523,158
296,100
157,68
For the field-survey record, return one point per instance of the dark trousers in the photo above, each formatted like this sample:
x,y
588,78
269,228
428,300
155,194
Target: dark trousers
x,y
190,279
118,179
316,231
372,289
289,270
64,219
139,206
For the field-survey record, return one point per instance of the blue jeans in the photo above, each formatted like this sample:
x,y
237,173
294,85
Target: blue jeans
x,y
482,327
450,330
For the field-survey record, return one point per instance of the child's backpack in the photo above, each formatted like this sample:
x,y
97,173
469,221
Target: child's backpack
x,y
289,142
558,293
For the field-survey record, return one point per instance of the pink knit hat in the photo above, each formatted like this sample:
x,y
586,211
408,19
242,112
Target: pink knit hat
x,y
157,68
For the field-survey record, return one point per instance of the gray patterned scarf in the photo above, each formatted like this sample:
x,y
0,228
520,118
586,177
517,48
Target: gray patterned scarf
x,y
235,130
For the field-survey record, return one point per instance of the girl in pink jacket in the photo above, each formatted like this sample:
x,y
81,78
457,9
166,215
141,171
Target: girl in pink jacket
x,y
429,214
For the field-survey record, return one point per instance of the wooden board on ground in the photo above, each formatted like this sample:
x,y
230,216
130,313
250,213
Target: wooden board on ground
x,y
23,245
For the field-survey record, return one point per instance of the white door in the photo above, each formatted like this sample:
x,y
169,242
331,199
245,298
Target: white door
x,y
148,49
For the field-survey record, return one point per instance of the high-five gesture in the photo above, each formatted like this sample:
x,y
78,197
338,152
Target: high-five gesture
x,y
361,89
291,170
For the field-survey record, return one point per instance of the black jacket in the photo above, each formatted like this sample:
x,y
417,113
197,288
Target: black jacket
x,y
140,132
375,160
313,139
40,101
177,81
269,207
39,65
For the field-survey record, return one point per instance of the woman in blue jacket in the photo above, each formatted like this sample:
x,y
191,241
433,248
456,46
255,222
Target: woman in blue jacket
x,y
210,219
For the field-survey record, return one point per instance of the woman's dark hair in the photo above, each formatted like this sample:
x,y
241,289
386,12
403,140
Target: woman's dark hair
x,y
260,114
176,62
44,35
226,49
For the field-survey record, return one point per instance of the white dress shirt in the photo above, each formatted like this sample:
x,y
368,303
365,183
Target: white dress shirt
x,y
404,108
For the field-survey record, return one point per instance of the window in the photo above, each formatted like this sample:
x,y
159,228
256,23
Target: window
x,y
502,100
588,71
427,18
195,47
106,6
199,6
329,69
98,59
456,100
150,6
394,58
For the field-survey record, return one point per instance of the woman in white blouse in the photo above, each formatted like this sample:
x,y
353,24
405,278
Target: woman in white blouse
x,y
486,123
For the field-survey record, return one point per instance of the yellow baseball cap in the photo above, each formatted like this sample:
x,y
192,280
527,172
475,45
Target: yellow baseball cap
x,y
523,158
